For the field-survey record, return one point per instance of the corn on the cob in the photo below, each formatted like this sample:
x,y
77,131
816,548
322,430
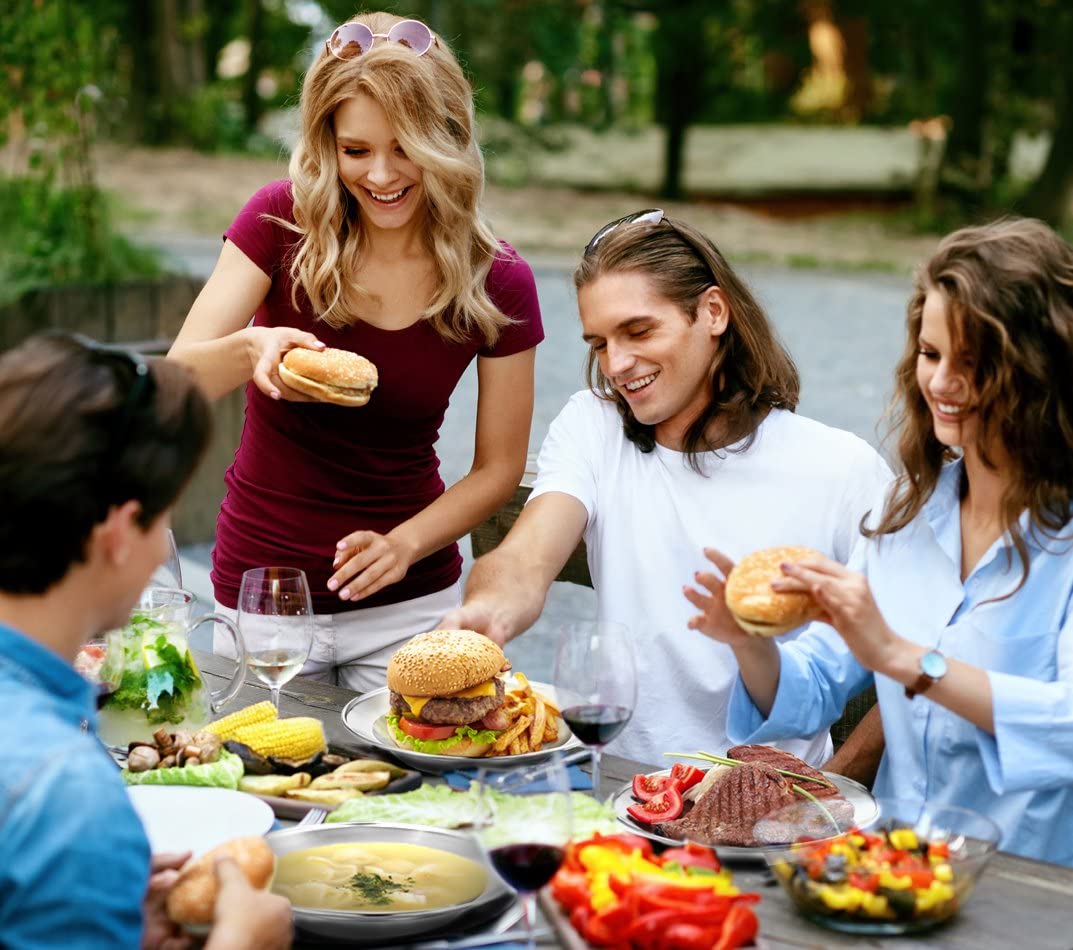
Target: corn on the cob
x,y
226,727
299,738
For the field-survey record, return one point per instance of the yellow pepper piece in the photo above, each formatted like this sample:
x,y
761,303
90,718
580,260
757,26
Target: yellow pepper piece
x,y
896,882
943,872
904,839
875,905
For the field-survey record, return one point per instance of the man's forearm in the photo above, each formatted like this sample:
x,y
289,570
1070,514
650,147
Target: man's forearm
x,y
858,757
512,593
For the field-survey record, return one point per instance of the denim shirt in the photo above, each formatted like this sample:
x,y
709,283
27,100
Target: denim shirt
x,y
1021,777
74,859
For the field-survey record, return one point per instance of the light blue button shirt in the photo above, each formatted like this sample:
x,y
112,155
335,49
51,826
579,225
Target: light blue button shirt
x,y
74,860
1022,777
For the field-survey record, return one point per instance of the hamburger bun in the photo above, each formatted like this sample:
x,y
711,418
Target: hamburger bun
x,y
192,899
329,375
756,607
442,662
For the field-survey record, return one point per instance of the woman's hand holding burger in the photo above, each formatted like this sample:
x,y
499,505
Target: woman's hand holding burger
x,y
366,561
847,604
266,347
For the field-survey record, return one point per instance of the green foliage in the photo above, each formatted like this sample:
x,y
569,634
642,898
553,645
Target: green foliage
x,y
54,235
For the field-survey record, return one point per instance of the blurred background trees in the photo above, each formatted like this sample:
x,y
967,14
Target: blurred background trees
x,y
987,84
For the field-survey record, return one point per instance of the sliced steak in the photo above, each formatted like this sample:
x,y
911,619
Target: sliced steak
x,y
458,712
820,786
733,806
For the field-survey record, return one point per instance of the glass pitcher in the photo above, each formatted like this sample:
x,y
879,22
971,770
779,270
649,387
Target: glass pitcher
x,y
161,686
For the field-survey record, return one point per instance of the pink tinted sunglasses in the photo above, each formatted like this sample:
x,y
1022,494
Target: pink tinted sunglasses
x,y
353,39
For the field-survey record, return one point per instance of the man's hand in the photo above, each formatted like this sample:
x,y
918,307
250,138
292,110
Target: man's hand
x,y
715,620
494,624
158,932
247,918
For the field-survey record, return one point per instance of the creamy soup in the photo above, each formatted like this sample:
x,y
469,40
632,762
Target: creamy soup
x,y
377,877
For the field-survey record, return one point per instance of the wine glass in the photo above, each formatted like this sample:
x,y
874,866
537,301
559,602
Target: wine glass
x,y
169,573
524,852
596,683
275,617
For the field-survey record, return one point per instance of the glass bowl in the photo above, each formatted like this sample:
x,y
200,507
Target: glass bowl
x,y
913,868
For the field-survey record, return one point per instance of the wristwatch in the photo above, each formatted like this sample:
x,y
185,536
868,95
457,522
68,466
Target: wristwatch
x,y
932,669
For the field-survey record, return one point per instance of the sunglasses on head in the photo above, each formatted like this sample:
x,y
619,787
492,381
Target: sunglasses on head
x,y
648,216
353,39
140,392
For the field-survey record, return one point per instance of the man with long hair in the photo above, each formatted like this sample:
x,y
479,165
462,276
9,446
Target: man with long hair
x,y
687,437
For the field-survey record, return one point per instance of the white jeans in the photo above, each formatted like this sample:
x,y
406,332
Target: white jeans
x,y
352,648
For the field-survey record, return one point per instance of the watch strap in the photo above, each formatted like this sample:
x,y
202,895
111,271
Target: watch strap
x,y
921,684
926,680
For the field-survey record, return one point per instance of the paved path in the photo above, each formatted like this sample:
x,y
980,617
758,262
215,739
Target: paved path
x,y
845,331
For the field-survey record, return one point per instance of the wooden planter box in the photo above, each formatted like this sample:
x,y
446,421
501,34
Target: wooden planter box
x,y
146,315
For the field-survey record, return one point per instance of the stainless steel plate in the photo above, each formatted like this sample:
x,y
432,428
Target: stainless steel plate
x,y
865,811
366,717
386,927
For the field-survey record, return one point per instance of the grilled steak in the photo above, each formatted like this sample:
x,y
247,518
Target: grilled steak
x,y
779,759
730,809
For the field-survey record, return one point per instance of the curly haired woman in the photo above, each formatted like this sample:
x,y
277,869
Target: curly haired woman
x,y
376,244
957,598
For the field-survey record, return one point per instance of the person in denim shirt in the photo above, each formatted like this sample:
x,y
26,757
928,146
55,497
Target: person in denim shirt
x,y
95,445
956,601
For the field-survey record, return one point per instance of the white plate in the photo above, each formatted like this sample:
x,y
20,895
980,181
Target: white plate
x,y
865,811
181,818
366,717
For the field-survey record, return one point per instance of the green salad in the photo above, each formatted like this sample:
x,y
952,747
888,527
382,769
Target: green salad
x,y
159,674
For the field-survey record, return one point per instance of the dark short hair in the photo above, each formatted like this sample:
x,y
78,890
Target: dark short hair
x,y
80,433
751,374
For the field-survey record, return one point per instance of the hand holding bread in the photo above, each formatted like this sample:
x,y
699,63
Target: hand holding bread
x,y
193,897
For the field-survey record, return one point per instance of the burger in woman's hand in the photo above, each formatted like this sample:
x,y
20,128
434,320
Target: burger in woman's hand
x,y
446,695
329,375
757,608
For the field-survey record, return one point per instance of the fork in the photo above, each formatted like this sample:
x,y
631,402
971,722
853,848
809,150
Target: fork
x,y
314,816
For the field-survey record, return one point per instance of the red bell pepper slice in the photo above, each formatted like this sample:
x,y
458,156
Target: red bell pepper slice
x,y
682,936
693,855
739,929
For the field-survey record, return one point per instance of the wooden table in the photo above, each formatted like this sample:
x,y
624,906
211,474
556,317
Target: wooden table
x,y
1018,903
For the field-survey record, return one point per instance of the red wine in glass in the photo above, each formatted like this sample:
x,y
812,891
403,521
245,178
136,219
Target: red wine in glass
x,y
527,867
596,724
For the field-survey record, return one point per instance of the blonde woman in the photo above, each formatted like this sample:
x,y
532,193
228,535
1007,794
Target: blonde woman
x,y
376,244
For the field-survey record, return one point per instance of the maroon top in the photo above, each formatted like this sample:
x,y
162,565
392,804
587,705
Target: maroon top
x,y
307,474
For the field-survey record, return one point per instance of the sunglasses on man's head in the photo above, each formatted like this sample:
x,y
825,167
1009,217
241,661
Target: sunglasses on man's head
x,y
648,216
353,39
142,388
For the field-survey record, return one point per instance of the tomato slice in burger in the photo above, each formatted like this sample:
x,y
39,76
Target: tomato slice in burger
x,y
666,806
685,776
425,731
647,787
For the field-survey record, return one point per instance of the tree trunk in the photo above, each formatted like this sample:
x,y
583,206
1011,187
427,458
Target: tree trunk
x,y
251,98
964,161
678,89
1051,195
144,83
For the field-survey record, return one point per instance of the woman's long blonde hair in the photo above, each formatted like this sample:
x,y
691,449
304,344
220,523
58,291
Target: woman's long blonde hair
x,y
1009,294
430,104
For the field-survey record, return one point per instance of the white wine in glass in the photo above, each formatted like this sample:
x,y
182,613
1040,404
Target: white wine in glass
x,y
275,616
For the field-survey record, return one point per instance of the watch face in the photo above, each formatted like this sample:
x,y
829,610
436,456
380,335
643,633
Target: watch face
x,y
933,663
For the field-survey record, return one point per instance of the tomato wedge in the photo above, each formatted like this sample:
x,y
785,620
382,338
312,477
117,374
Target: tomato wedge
x,y
424,731
685,776
666,806
693,855
647,787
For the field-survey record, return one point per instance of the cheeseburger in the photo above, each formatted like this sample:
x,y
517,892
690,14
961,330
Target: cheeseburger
x,y
756,607
329,375
446,693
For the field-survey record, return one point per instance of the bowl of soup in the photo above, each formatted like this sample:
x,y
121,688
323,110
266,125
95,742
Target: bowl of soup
x,y
382,883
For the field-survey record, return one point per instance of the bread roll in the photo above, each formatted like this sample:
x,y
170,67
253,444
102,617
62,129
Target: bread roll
x,y
192,900
756,607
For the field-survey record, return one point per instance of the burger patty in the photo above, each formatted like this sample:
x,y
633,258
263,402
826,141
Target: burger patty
x,y
452,712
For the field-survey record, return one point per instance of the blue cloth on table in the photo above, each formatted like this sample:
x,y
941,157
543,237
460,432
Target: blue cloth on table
x,y
579,780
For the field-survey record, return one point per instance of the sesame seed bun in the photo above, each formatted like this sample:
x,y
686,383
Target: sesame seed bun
x,y
442,662
330,375
756,607
192,899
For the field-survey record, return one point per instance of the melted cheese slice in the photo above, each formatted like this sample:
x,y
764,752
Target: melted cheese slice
x,y
417,703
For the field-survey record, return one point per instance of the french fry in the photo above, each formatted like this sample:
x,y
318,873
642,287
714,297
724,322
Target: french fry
x,y
540,720
553,710
515,747
551,731
523,684
507,737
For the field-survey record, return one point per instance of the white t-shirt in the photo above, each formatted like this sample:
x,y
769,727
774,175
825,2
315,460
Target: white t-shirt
x,y
651,516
